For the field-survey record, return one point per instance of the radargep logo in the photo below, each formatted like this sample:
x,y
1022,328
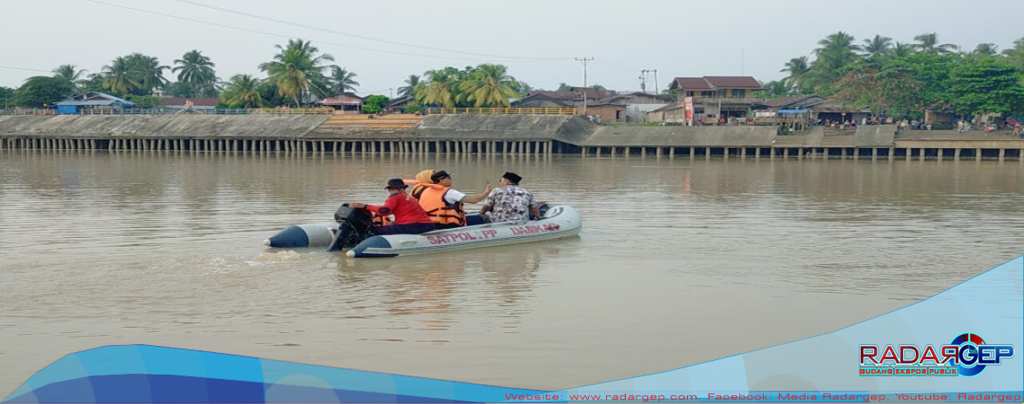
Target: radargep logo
x,y
967,355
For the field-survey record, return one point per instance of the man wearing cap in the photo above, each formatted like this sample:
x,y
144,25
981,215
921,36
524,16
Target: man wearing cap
x,y
510,202
444,205
409,216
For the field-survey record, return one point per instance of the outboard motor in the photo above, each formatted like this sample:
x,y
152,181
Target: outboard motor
x,y
356,225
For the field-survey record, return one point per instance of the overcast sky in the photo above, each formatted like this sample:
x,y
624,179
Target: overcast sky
x,y
537,39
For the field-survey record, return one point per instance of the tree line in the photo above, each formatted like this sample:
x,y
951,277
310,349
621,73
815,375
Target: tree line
x,y
296,76
905,79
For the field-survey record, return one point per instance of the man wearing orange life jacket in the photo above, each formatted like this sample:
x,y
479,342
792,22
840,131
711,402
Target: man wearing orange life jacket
x,y
444,205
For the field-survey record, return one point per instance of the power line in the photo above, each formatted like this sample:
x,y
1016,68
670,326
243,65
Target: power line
x,y
226,10
25,68
289,37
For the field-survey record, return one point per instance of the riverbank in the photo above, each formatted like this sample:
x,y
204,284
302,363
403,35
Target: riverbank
x,y
484,134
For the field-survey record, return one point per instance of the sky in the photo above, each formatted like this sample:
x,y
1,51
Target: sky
x,y
385,41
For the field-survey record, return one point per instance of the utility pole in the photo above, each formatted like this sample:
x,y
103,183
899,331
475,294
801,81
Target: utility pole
x,y
584,60
643,81
656,89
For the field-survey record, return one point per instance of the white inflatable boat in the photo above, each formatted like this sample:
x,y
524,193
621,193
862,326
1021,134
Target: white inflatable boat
x,y
556,222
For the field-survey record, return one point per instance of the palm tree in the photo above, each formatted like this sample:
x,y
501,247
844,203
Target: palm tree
x,y
298,70
797,68
836,52
987,49
196,71
929,43
1016,54
488,85
342,80
901,50
877,46
146,72
118,76
243,91
411,85
441,88
69,73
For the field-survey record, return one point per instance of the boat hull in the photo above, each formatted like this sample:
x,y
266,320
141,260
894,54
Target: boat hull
x,y
558,222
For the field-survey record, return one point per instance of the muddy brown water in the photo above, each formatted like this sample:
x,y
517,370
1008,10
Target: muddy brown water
x,y
679,261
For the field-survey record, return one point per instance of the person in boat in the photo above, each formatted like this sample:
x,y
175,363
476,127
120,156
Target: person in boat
x,y
421,182
444,204
510,202
409,216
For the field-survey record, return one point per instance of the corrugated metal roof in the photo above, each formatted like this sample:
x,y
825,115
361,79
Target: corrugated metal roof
x,y
691,83
93,103
733,81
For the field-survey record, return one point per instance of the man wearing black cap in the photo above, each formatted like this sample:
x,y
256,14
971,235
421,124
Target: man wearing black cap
x,y
510,202
444,204
409,216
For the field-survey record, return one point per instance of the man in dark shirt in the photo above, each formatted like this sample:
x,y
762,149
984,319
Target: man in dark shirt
x,y
409,216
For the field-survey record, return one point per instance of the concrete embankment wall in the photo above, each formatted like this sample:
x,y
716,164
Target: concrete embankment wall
x,y
161,126
496,127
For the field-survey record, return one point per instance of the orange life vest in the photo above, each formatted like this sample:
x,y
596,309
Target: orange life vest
x,y
380,220
440,212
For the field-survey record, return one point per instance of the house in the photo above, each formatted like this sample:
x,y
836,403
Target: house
x,y
207,105
345,102
608,111
638,104
804,101
91,101
833,110
715,97
398,104
550,99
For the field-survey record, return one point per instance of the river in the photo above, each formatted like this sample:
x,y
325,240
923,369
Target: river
x,y
679,261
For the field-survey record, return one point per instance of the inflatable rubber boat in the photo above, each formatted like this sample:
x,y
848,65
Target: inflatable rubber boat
x,y
351,230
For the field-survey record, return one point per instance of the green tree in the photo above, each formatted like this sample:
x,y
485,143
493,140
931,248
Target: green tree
x,y
42,91
441,87
196,72
147,73
929,43
146,101
877,47
984,84
902,50
343,81
243,91
797,68
297,71
986,49
776,89
117,77
564,87
374,104
70,73
411,85
1016,54
892,87
6,96
488,86
836,53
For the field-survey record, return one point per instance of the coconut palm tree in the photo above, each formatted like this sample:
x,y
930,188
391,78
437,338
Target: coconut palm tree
x,y
877,46
488,86
441,88
243,91
411,85
196,71
836,52
901,50
69,73
929,43
147,73
342,80
298,70
797,69
118,78
986,49
1016,54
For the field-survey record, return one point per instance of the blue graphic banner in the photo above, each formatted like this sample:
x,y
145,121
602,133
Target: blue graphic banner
x,y
959,345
